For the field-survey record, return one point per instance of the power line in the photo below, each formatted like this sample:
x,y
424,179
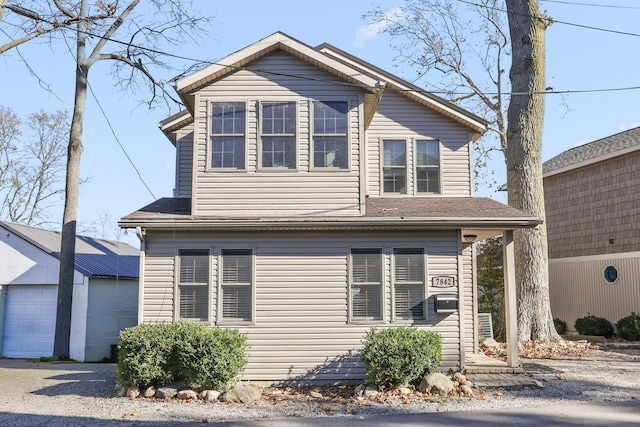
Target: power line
x,y
113,132
588,27
592,4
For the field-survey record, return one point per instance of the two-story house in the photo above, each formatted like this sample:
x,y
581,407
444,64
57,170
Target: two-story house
x,y
593,207
316,197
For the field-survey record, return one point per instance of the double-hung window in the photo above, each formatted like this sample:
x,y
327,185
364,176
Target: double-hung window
x,y
330,149
409,284
366,284
427,166
237,285
394,167
278,135
193,284
228,135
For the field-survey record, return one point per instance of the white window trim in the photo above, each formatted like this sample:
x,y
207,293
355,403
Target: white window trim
x,y
406,166
415,167
332,169
220,320
383,281
425,305
176,285
259,136
208,166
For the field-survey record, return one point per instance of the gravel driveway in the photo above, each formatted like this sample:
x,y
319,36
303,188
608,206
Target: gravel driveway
x,y
69,394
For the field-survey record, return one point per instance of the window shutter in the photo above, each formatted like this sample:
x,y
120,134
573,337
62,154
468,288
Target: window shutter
x,y
409,283
237,278
193,284
366,286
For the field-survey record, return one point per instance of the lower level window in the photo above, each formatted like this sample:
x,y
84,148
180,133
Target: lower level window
x,y
366,284
237,284
409,284
193,284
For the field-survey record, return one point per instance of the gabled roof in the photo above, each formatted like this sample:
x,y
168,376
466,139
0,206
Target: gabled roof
x,y
94,257
410,90
593,152
328,58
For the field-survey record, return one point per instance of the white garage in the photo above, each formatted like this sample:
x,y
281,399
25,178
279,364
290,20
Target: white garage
x,y
105,293
29,323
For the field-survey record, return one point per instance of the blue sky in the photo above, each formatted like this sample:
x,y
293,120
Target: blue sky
x,y
577,59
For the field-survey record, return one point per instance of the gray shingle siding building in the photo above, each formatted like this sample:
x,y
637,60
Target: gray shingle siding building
x,y
592,214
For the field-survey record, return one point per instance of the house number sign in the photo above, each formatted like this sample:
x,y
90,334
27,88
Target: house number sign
x,y
443,282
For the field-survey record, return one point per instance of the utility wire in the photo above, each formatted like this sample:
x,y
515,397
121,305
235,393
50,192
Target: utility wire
x,y
592,4
265,72
588,27
113,132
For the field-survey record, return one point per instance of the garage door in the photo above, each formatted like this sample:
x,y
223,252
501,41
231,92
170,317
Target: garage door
x,y
30,319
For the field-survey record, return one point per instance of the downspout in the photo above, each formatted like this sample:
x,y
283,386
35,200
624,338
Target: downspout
x,y
142,234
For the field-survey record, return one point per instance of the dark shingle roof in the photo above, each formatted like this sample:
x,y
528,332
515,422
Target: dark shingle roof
x,y
378,209
94,257
608,145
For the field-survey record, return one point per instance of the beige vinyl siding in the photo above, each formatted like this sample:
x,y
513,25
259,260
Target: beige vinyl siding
x,y
587,207
577,287
184,162
399,117
301,329
268,192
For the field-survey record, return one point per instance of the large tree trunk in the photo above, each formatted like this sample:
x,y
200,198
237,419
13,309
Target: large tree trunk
x,y
68,238
524,167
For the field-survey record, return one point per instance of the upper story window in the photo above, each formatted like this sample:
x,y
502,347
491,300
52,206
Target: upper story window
x,y
330,147
228,129
278,135
427,166
193,284
409,284
394,168
366,284
237,285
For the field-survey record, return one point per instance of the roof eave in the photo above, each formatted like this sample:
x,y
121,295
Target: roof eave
x,y
317,224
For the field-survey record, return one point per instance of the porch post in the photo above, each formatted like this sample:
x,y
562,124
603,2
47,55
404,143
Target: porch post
x,y
511,312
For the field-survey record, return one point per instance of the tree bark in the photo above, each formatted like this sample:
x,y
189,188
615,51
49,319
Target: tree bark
x,y
61,350
524,167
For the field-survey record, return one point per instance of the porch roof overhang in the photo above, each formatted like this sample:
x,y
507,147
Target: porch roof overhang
x,y
481,217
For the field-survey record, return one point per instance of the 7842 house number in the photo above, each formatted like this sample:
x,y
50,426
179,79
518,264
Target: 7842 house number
x,y
443,282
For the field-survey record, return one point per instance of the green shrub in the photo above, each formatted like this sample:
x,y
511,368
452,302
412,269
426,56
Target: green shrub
x,y
561,325
161,353
629,327
398,355
594,325
211,358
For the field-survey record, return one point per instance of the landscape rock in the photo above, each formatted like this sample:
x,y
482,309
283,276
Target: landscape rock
x,y
490,342
315,394
459,377
187,395
133,392
436,382
466,390
359,389
242,393
209,395
370,392
166,392
149,392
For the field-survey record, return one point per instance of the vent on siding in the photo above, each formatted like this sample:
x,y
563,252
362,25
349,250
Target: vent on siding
x,y
485,327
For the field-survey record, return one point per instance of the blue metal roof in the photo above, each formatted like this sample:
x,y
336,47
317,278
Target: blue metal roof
x,y
94,257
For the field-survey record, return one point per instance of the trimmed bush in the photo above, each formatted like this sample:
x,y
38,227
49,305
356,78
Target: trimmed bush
x,y
161,353
211,358
561,326
399,355
629,327
594,325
